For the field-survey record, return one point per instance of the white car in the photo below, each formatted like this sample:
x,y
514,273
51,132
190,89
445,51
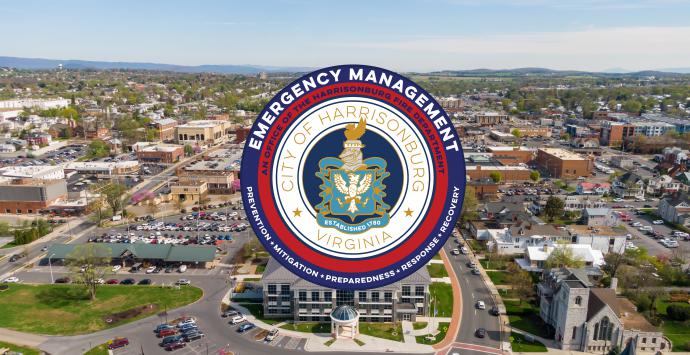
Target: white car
x,y
151,270
658,221
618,199
182,282
480,305
11,279
455,251
464,250
238,319
271,335
117,268
637,224
100,281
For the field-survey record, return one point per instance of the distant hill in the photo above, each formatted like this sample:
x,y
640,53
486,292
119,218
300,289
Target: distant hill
x,y
40,63
552,72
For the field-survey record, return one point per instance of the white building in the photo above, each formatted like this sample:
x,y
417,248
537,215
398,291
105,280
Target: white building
x,y
536,256
601,238
38,172
42,104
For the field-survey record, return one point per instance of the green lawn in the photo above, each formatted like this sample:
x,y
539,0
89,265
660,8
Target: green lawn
x,y
260,268
20,349
66,309
443,329
308,327
437,270
257,310
419,325
476,245
521,345
382,330
526,317
677,332
497,277
99,350
495,264
442,294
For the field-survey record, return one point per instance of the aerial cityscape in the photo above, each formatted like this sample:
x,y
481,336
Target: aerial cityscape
x,y
123,228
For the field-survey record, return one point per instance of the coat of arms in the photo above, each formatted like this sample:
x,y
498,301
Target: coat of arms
x,y
352,191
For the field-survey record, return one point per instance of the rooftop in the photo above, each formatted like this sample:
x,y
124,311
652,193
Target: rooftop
x,y
201,124
562,154
598,230
166,252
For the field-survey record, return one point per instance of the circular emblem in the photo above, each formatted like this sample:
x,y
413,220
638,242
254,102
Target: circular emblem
x,y
353,177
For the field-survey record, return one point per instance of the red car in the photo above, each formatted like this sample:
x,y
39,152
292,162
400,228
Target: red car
x,y
175,346
166,332
113,282
118,343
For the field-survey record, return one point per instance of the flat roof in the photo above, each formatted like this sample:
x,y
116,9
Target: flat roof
x,y
165,252
562,154
161,148
27,171
201,124
598,230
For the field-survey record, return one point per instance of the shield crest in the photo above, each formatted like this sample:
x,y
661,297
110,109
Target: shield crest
x,y
353,193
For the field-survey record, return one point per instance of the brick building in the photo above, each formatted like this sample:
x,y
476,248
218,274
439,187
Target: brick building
x,y
28,195
613,134
532,131
512,155
560,163
166,129
160,153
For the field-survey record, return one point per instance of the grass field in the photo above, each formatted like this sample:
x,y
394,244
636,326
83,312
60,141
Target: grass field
x,y
98,350
443,299
419,325
677,332
437,270
495,264
257,310
66,309
497,277
382,330
442,328
521,345
19,349
526,317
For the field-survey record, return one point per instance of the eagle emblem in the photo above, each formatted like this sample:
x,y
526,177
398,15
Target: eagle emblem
x,y
352,187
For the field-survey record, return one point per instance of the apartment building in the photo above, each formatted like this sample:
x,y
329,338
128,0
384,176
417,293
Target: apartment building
x,y
560,163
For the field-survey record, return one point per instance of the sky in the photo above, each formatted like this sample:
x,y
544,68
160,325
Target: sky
x,y
405,35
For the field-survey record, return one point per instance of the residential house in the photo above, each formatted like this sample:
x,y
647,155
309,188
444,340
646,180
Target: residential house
x,y
536,256
602,238
657,186
629,185
594,217
592,188
591,319
675,209
516,239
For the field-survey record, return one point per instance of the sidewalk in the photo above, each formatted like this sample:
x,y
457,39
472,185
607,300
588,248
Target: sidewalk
x,y
19,338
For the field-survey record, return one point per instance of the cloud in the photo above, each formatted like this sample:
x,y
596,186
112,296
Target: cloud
x,y
593,44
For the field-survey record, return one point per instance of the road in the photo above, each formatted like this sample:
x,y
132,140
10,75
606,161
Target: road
x,y
473,289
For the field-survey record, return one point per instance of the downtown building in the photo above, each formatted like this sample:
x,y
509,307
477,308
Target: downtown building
x,y
285,295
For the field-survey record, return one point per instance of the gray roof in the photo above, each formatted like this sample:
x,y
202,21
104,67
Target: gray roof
x,y
597,211
276,273
165,252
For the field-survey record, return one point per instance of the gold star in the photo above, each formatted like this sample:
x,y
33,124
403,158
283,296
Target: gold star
x,y
408,213
297,212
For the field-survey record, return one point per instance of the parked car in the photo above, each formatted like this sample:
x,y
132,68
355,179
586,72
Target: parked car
x,y
455,251
176,345
471,264
112,282
182,268
182,282
193,336
63,280
151,270
118,343
246,327
238,319
658,221
162,326
166,332
145,282
229,313
272,334
127,282
117,268
186,322
171,339
464,250
11,279
480,305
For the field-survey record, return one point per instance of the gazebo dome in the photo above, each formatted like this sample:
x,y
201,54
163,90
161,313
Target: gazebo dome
x,y
344,313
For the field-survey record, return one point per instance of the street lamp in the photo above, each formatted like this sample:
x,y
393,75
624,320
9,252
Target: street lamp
x,y
51,268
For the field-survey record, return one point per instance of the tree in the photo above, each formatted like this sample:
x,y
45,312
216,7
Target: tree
x,y
89,263
5,229
534,175
496,176
563,256
469,204
114,196
188,150
516,133
97,149
614,351
554,207
520,281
